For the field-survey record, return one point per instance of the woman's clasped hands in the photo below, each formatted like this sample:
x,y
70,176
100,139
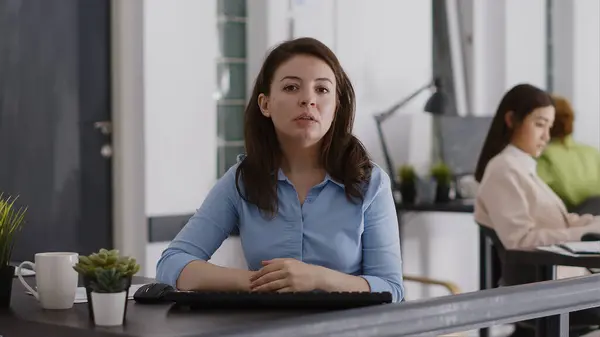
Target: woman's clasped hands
x,y
286,275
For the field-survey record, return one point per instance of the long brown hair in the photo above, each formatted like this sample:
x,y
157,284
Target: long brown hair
x,y
343,156
522,99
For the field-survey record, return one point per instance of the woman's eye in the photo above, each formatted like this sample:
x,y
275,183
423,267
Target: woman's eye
x,y
322,90
290,88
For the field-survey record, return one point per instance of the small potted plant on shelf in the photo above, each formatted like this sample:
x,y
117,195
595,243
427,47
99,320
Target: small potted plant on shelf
x,y
408,184
107,278
442,175
11,222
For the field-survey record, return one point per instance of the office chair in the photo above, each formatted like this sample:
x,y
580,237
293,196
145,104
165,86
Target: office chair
x,y
451,287
507,275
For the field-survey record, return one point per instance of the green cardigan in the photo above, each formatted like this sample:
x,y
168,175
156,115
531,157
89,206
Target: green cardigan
x,y
571,169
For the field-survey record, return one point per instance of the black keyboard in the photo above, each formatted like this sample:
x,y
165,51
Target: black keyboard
x,y
206,300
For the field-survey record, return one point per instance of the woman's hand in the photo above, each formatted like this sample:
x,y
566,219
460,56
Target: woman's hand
x,y
286,275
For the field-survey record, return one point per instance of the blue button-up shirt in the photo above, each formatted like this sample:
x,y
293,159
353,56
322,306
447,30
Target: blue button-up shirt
x,y
328,230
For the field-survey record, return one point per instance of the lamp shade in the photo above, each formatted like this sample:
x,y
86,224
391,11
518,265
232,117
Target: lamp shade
x,y
437,102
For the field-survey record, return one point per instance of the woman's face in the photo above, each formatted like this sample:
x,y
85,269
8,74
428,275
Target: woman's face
x,y
533,134
302,100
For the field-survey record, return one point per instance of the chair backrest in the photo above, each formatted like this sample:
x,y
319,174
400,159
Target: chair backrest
x,y
503,273
491,234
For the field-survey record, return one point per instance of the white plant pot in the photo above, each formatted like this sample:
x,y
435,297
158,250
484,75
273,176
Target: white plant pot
x,y
109,308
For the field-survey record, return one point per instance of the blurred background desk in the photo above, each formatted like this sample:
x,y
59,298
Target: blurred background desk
x,y
524,266
453,206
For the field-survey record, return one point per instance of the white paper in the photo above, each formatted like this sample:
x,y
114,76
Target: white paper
x,y
81,296
559,250
582,247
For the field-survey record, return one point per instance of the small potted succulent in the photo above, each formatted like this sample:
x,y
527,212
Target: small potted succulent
x,y
442,175
107,278
408,184
11,222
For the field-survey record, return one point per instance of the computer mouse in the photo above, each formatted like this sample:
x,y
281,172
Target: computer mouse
x,y
152,293
590,237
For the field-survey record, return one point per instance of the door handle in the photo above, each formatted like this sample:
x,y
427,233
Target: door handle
x,y
105,127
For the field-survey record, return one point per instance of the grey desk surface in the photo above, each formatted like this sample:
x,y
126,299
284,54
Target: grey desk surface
x,y
536,258
26,318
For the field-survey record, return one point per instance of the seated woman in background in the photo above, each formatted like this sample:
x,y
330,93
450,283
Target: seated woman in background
x,y
313,211
515,202
571,169
511,198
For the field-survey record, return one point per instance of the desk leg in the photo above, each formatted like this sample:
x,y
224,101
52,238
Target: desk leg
x,y
485,279
551,326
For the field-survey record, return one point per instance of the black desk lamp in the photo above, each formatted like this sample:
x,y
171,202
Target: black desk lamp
x,y
435,105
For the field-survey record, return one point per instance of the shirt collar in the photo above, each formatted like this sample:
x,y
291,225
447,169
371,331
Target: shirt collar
x,y
282,177
528,161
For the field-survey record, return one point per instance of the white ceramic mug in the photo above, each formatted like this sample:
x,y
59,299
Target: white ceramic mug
x,y
55,278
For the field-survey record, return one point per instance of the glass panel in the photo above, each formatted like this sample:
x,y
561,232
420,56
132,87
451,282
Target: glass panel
x,y
232,7
227,157
232,39
231,80
230,122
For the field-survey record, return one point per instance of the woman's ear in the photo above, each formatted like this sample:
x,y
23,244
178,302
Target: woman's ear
x,y
509,119
263,104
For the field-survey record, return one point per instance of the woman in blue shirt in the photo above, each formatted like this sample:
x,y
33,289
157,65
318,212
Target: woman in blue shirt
x,y
312,210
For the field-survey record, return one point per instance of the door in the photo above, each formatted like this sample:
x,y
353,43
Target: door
x,y
54,155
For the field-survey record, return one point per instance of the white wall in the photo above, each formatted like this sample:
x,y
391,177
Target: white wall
x,y
577,63
164,114
180,115
508,47
385,46
525,44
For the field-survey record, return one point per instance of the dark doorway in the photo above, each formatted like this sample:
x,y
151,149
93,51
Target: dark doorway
x,y
54,91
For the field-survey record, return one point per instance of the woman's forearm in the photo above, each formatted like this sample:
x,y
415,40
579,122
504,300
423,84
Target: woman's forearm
x,y
332,280
202,275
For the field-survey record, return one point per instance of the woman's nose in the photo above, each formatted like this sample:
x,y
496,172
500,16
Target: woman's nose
x,y
306,102
308,99
546,135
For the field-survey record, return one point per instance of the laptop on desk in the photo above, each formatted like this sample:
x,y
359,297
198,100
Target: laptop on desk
x,y
582,248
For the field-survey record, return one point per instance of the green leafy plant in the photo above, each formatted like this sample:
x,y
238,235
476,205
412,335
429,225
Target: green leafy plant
x,y
407,174
108,281
108,264
11,222
441,173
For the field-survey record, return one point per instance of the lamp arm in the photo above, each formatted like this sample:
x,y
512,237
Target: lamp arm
x,y
381,117
387,158
386,114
